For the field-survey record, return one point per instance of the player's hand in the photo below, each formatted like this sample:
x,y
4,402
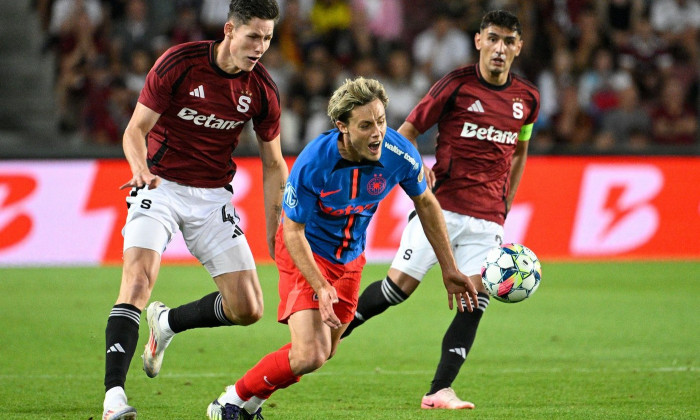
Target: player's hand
x,y
142,178
327,296
460,288
429,176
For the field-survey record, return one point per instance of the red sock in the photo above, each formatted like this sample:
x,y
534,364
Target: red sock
x,y
272,372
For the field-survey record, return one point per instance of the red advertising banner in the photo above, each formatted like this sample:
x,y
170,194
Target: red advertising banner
x,y
72,212
613,207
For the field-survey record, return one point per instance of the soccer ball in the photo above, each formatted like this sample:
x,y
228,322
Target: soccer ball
x,y
511,273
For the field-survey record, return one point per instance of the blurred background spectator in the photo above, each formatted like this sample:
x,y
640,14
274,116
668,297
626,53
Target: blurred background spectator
x,y
624,122
381,21
404,85
598,85
678,22
615,76
674,121
442,46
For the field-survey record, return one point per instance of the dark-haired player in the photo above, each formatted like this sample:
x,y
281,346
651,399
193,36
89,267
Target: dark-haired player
x,y
178,143
484,115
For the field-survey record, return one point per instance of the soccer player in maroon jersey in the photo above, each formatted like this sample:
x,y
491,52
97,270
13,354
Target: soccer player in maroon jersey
x,y
178,143
484,115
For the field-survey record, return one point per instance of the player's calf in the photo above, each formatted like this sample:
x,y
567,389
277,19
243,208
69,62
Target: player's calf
x,y
374,300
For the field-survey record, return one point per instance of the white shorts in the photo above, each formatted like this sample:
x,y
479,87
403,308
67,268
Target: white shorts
x,y
205,216
471,240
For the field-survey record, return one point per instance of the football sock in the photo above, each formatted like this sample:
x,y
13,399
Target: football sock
x,y
121,336
456,344
231,397
253,404
272,372
114,397
375,299
206,312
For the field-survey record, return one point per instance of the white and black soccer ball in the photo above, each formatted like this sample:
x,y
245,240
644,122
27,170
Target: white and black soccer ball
x,y
511,273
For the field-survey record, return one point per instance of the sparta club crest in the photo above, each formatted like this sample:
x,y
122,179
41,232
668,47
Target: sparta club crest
x,y
376,185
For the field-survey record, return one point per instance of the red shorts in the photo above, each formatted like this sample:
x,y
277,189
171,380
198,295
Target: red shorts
x,y
297,295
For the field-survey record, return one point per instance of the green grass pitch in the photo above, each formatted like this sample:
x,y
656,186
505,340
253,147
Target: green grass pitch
x,y
612,340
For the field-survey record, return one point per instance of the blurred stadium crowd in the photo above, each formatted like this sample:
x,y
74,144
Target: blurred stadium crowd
x,y
614,75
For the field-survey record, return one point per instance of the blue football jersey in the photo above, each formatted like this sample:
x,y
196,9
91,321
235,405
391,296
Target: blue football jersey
x,y
336,198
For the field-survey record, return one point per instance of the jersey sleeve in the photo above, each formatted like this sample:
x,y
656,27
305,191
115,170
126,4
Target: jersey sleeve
x,y
428,111
534,106
299,196
414,182
157,90
267,123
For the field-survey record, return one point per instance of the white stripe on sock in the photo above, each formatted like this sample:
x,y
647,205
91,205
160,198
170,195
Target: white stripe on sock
x,y
126,313
390,294
219,310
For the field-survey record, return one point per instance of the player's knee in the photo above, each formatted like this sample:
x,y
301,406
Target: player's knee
x,y
308,361
307,358
250,317
245,315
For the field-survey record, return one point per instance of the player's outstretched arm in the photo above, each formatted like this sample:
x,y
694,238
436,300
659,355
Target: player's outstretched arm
x,y
142,121
300,251
275,174
457,284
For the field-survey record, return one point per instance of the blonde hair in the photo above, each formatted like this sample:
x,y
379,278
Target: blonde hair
x,y
352,93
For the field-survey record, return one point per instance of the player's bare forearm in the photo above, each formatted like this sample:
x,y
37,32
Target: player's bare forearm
x,y
517,168
273,190
275,174
456,283
431,218
409,131
134,145
300,251
134,150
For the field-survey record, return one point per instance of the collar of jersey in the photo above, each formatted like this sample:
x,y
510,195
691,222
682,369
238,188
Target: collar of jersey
x,y
344,163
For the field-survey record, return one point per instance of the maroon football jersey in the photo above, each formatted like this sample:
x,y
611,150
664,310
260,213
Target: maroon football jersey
x,y
203,110
478,127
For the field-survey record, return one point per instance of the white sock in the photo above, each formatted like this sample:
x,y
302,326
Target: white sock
x,y
164,324
114,397
231,397
253,404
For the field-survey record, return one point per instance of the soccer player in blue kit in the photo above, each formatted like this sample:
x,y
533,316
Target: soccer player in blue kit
x,y
332,192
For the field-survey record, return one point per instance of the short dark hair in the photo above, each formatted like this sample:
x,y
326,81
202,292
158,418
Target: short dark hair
x,y
502,19
242,11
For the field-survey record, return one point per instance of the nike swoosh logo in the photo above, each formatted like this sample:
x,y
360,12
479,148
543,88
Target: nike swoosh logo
x,y
430,405
327,193
266,381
